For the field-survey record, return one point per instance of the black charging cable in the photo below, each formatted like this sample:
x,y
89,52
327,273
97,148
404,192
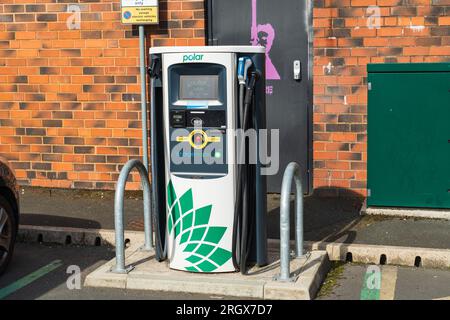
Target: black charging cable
x,y
155,72
243,207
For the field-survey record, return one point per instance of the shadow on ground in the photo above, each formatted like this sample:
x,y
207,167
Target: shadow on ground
x,y
40,219
326,212
330,215
76,208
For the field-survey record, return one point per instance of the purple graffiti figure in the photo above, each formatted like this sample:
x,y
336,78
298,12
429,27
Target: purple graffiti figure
x,y
264,35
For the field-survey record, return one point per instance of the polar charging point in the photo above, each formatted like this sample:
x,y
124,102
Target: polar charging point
x,y
210,208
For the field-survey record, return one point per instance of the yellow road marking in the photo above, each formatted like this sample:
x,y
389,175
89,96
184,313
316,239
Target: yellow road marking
x,y
388,282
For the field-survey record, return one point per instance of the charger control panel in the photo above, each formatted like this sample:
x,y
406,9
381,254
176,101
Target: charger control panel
x,y
198,120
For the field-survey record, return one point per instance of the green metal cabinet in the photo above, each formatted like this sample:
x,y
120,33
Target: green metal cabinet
x,y
409,135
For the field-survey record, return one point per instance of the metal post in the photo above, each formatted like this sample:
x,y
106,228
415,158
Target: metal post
x,y
118,213
143,95
292,172
298,214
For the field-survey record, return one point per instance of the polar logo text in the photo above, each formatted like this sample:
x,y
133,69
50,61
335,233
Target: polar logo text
x,y
192,57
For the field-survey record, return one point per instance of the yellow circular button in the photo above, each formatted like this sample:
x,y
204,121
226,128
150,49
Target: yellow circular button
x,y
198,139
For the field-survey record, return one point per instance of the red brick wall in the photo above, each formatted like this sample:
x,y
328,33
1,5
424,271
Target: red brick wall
x,y
70,103
70,99
410,31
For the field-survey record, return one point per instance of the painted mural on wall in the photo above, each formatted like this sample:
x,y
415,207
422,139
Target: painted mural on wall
x,y
264,35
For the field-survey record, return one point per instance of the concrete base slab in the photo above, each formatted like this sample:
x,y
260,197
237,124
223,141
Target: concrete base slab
x,y
148,274
311,276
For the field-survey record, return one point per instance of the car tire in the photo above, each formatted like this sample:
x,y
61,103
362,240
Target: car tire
x,y
8,233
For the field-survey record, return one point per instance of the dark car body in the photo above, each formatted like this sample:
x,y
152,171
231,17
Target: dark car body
x,y
9,213
8,186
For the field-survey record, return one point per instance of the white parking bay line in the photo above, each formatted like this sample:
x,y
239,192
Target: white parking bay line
x,y
388,282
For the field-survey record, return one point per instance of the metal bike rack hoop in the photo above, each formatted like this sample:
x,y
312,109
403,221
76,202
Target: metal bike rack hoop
x,y
292,172
118,213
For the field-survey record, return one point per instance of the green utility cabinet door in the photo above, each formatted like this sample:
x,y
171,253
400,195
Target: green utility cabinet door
x,y
409,135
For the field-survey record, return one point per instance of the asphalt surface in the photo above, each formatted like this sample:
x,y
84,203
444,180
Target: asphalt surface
x,y
344,282
349,282
75,208
329,219
426,233
95,210
326,219
29,259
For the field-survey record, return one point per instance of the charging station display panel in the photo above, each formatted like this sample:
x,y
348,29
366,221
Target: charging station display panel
x,y
200,84
199,87
198,120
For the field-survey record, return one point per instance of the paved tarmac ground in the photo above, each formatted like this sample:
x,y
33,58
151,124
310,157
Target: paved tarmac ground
x,y
95,210
45,268
39,271
369,282
325,219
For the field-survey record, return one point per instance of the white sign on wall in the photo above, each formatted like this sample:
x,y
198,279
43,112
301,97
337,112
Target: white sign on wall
x,y
140,11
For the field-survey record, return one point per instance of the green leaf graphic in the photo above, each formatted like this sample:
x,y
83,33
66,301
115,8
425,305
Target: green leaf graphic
x,y
171,195
200,239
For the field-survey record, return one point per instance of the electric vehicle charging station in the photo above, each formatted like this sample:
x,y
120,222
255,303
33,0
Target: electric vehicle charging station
x,y
209,205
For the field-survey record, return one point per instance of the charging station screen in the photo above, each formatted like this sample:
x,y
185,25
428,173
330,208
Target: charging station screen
x,y
199,87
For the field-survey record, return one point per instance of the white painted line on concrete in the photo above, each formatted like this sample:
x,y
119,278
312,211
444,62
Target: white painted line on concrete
x,y
388,282
408,212
446,298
